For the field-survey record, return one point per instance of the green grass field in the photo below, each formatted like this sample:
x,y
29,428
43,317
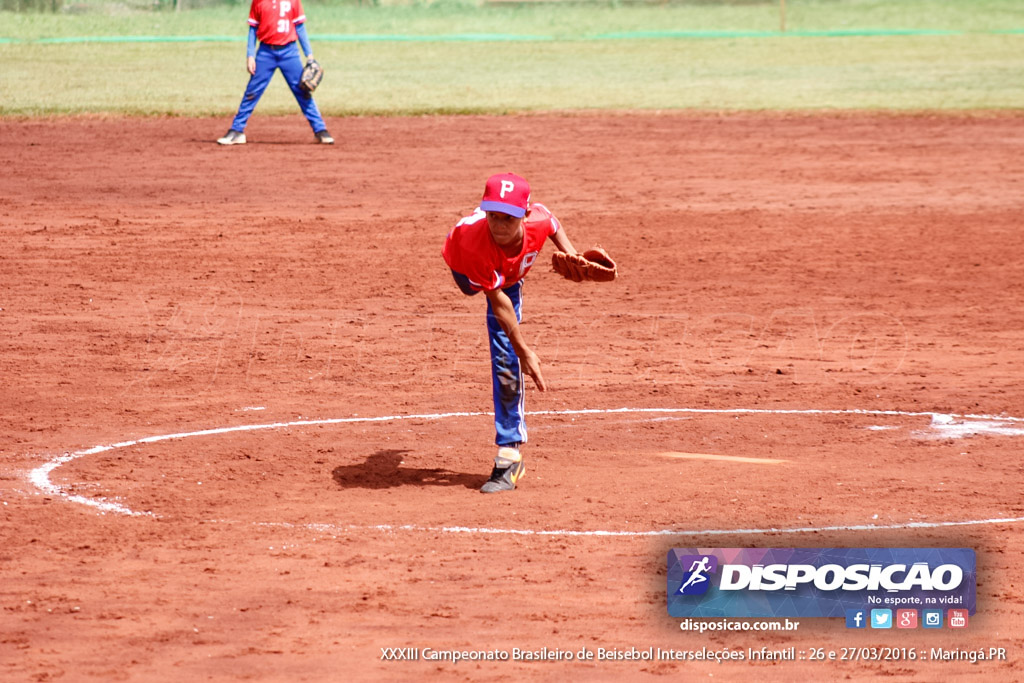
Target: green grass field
x,y
452,57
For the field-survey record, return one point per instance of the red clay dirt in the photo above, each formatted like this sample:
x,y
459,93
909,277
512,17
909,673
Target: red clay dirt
x,y
157,284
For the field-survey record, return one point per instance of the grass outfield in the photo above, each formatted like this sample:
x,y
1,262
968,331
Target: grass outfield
x,y
450,58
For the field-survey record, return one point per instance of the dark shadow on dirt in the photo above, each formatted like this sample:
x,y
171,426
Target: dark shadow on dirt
x,y
383,470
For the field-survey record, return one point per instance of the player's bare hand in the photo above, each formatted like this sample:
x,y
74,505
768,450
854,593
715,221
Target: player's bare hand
x,y
250,64
531,366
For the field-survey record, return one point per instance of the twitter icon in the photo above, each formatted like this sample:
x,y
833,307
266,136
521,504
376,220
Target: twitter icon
x,y
881,618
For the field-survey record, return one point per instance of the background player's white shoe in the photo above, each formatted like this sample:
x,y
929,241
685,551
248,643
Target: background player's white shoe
x,y
232,137
323,137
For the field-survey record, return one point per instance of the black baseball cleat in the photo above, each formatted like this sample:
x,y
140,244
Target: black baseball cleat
x,y
508,470
323,137
504,478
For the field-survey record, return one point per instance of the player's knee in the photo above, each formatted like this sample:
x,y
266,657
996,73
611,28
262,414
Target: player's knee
x,y
463,282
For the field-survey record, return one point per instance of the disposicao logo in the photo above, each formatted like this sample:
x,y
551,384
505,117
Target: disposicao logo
x,y
818,582
696,579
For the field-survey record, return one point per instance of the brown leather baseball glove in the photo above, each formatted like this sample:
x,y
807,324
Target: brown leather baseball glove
x,y
312,74
594,264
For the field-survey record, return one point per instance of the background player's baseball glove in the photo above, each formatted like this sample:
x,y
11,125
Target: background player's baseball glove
x,y
594,264
312,74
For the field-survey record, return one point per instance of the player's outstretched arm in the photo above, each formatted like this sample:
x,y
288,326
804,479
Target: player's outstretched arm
x,y
561,241
505,312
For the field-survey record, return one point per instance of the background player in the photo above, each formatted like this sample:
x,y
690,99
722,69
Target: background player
x,y
276,24
491,251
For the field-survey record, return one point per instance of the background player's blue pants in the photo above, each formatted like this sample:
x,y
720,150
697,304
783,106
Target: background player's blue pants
x,y
507,376
268,60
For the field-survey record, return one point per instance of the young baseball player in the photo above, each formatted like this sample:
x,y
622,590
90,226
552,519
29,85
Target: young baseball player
x,y
277,25
491,251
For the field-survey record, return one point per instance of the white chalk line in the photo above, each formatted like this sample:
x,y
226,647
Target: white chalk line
x,y
339,528
40,476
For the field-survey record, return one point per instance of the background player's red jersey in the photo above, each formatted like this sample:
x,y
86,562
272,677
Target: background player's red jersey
x,y
471,251
275,20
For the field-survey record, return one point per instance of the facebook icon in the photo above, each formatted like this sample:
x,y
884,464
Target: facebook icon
x,y
856,618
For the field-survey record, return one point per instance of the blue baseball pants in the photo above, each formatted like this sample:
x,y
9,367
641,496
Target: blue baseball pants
x,y
270,58
506,372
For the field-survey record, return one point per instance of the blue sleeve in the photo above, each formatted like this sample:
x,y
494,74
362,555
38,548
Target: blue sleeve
x,y
250,49
300,31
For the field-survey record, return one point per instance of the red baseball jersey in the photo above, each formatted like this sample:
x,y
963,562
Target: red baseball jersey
x,y
471,251
275,20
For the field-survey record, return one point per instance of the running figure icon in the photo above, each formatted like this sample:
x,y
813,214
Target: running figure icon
x,y
698,573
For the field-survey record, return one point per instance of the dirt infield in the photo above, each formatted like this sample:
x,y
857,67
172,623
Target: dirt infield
x,y
282,310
